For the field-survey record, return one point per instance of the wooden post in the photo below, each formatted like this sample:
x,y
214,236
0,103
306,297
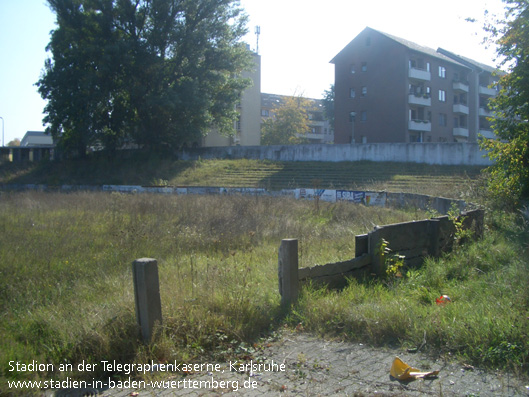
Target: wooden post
x,y
288,271
147,295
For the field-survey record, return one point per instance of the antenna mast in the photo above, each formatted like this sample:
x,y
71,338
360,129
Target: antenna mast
x,y
257,33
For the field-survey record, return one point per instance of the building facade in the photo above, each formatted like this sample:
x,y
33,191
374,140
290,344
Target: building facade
x,y
248,126
320,128
388,89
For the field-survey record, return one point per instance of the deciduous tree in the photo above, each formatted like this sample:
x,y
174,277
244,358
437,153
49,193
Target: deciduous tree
x,y
158,73
509,176
289,122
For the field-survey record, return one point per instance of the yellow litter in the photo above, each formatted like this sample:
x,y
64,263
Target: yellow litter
x,y
402,371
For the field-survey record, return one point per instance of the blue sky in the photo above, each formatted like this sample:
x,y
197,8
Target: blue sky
x,y
298,39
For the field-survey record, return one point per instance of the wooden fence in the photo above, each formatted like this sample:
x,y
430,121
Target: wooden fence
x,y
414,240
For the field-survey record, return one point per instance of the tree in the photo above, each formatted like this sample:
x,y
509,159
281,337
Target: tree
x,y
509,176
158,73
14,143
328,105
289,124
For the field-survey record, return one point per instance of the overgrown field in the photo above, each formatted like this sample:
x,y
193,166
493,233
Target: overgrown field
x,y
66,292
447,181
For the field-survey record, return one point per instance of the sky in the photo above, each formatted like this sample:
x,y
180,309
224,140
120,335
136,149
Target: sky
x,y
297,42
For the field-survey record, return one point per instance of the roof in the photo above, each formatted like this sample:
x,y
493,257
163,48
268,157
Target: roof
x,y
410,45
36,138
469,62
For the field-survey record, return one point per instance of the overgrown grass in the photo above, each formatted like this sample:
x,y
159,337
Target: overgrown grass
x,y
485,324
446,181
66,292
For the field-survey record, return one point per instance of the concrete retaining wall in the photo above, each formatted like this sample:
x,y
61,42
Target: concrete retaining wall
x,y
427,153
377,199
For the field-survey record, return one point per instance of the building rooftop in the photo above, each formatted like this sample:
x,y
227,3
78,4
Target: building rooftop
x,y
36,138
439,53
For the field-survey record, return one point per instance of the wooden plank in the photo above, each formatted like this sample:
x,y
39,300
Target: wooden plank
x,y
337,268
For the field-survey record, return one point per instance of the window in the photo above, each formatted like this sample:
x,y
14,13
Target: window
x,y
265,113
442,119
352,93
363,116
364,66
364,91
442,95
353,68
352,117
442,72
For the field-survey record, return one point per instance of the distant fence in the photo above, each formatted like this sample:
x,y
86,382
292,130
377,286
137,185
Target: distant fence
x,y
414,240
452,153
369,198
19,154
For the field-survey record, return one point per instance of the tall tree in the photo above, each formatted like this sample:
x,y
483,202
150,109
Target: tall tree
x,y
158,73
509,176
289,123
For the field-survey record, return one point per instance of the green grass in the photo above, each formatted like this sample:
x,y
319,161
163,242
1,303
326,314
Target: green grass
x,y
449,181
485,324
66,292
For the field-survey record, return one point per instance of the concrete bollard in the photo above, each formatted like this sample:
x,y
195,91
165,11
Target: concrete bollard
x,y
147,295
288,271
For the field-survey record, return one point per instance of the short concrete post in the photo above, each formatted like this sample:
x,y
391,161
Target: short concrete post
x,y
147,295
288,271
374,246
434,232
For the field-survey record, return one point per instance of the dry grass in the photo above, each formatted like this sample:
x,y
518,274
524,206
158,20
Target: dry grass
x,y
66,289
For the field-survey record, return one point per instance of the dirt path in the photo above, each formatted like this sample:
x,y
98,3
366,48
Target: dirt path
x,y
301,364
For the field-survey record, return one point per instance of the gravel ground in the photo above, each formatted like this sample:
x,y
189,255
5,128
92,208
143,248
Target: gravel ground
x,y
301,364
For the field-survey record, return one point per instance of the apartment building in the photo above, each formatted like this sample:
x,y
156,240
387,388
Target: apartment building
x,y
388,89
248,126
320,129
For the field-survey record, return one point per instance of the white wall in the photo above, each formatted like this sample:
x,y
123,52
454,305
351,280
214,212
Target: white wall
x,y
427,153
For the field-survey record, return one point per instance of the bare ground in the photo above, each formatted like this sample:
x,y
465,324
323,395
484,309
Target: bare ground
x,y
316,367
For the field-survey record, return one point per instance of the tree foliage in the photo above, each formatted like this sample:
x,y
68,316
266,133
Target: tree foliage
x,y
328,105
158,73
509,176
289,124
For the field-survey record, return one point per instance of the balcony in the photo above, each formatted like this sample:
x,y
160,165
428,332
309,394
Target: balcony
x,y
460,86
484,112
419,100
460,108
460,132
420,125
419,74
487,134
487,91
